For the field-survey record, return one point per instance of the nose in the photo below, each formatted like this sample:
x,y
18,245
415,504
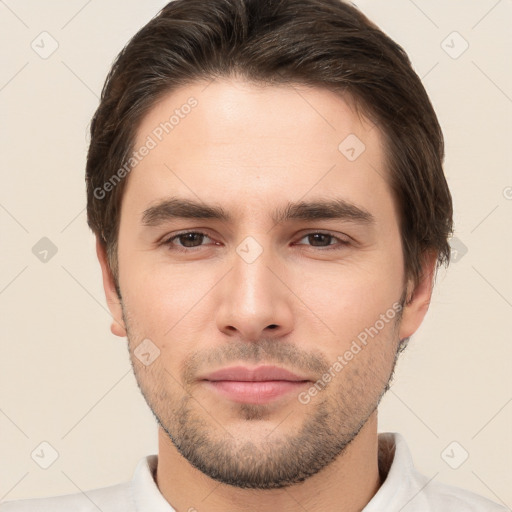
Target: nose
x,y
254,303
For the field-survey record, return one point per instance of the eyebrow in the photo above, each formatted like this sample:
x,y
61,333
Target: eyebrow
x,y
178,208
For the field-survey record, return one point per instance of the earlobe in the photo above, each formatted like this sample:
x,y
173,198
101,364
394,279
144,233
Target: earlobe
x,y
113,300
418,298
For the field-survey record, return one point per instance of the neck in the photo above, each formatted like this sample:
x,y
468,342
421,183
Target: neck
x,y
345,485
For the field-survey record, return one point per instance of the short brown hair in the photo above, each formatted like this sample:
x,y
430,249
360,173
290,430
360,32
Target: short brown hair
x,y
320,43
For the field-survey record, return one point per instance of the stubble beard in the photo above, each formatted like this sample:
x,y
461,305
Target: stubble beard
x,y
332,421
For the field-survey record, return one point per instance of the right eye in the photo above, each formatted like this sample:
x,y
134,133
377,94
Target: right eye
x,y
187,240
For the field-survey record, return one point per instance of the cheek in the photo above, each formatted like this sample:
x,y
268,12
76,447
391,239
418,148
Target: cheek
x,y
351,296
165,303
160,302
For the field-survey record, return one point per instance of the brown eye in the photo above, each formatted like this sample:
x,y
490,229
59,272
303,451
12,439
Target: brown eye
x,y
319,239
186,240
190,239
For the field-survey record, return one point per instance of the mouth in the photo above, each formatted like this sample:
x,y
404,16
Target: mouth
x,y
254,385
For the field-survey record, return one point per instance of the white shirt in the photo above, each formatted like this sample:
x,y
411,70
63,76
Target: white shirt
x,y
403,490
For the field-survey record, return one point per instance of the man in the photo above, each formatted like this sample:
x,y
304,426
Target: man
x,y
265,183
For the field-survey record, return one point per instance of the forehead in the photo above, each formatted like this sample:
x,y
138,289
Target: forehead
x,y
235,112
239,141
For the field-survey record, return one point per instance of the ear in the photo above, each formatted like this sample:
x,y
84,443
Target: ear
x,y
113,300
418,297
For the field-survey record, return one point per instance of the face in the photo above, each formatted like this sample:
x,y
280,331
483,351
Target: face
x,y
254,235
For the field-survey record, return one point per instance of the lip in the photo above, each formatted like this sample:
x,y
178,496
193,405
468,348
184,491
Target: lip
x,y
259,374
254,385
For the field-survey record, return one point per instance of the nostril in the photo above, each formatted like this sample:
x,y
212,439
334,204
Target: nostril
x,y
272,326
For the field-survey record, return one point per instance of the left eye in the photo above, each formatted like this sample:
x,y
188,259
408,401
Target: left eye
x,y
194,239
324,240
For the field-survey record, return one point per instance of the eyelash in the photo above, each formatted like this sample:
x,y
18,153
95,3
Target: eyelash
x,y
169,242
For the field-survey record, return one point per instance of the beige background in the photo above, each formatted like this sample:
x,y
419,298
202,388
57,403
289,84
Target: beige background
x,y
66,380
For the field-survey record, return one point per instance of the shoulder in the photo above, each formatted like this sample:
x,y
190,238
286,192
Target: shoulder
x,y
444,497
107,499
406,489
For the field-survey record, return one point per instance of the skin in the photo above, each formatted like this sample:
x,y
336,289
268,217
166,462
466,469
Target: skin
x,y
251,149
